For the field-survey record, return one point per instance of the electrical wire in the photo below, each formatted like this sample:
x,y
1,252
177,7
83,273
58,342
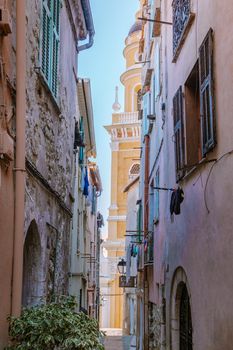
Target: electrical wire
x,y
208,177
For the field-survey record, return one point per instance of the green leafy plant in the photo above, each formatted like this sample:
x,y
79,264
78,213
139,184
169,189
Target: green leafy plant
x,y
54,326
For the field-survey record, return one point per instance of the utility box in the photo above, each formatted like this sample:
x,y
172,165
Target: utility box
x,y
6,146
5,21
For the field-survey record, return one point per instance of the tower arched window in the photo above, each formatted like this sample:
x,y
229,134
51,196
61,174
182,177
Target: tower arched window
x,y
134,170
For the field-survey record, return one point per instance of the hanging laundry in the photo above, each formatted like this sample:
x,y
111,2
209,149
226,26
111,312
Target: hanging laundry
x,y
177,198
134,250
82,178
86,183
134,266
90,196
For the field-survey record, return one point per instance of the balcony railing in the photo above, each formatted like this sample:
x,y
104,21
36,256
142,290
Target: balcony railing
x,y
125,118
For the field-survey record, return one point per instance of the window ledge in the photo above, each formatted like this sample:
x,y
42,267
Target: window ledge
x,y
202,162
48,90
183,36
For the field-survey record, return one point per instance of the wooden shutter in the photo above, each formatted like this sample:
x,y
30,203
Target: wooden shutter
x,y
45,45
179,133
55,46
50,43
206,94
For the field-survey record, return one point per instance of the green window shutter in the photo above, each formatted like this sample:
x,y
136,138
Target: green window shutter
x,y
45,45
54,75
207,94
55,45
50,43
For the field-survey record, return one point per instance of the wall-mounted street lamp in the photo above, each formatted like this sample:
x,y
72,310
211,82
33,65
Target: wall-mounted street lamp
x,y
121,267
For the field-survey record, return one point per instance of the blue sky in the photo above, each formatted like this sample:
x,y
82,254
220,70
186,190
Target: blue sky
x,y
103,64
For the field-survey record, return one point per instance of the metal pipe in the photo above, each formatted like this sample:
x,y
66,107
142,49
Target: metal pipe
x,y
146,185
90,25
20,157
145,227
88,45
154,21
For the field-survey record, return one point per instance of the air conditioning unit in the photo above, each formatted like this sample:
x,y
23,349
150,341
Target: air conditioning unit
x,y
5,21
6,146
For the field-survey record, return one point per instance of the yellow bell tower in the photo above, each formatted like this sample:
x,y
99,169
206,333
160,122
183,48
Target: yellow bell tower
x,y
125,146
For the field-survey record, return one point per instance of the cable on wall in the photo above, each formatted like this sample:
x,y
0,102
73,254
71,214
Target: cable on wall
x,y
208,177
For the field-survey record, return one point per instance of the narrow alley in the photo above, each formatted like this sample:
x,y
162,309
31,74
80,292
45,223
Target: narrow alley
x,y
116,163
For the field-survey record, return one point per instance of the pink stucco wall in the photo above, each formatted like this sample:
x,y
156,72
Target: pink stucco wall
x,y
198,241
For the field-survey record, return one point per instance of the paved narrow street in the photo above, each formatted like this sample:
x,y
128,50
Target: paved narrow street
x,y
115,341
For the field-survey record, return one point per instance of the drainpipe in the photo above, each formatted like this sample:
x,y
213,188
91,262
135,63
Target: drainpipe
x,y
145,227
88,45
20,157
89,24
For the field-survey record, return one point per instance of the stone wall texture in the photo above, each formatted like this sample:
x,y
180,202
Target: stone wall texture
x,y
49,148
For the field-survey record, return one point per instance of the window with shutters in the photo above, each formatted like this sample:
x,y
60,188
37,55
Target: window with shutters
x,y
49,51
206,94
192,118
179,133
199,107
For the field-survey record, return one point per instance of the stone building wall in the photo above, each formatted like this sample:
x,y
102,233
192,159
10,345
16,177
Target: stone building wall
x,y
49,152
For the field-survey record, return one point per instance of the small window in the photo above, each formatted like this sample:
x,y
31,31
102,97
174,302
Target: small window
x,y
192,118
182,20
179,133
50,31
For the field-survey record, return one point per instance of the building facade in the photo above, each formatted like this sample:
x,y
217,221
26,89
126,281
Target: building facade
x,y
85,235
187,161
125,142
40,42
